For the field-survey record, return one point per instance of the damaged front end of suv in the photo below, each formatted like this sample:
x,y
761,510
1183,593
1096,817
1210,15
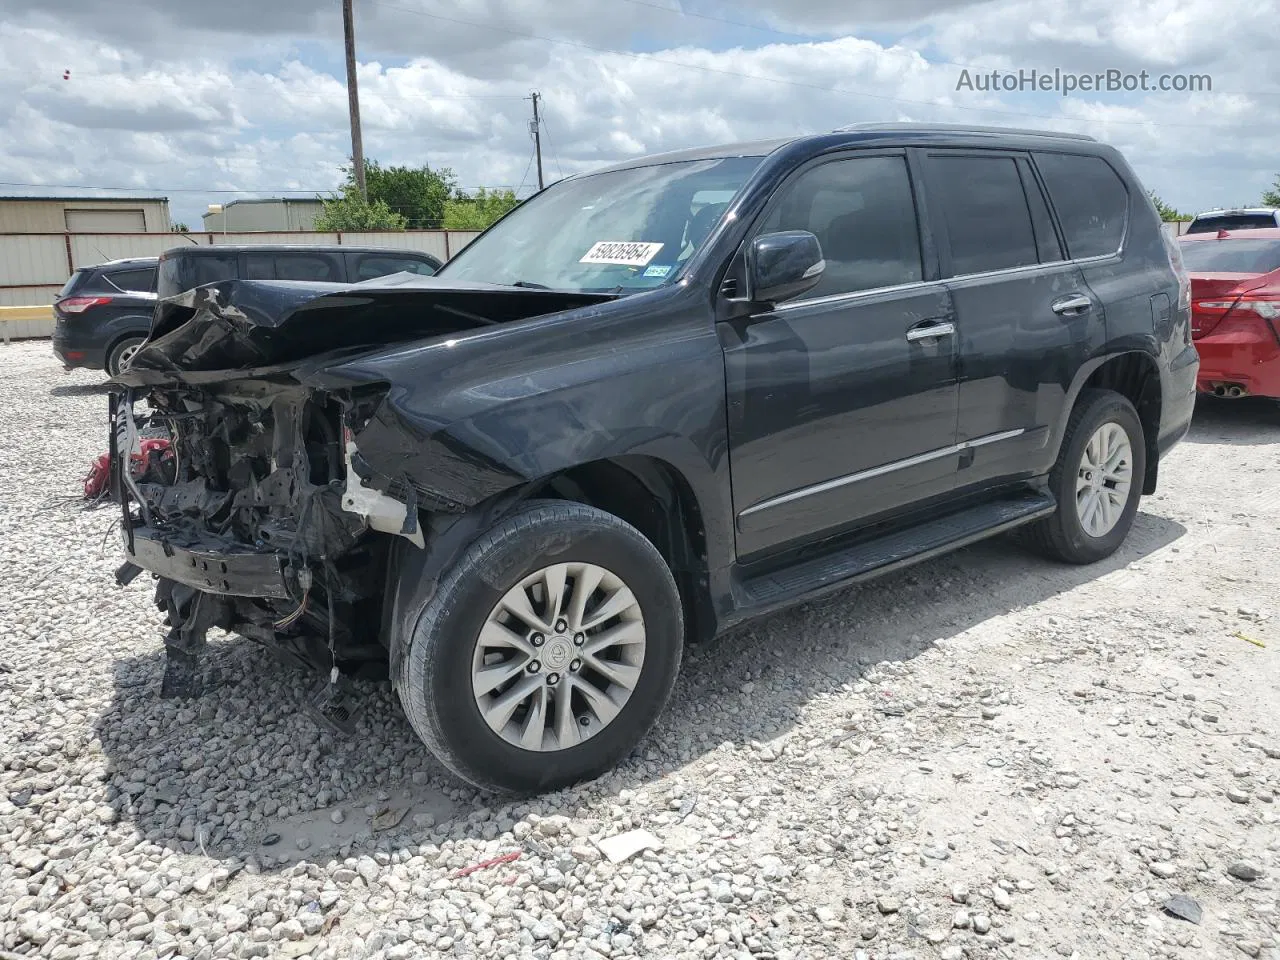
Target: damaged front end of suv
x,y
292,479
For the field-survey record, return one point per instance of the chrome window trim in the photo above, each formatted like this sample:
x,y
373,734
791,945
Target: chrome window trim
x,y
870,292
849,478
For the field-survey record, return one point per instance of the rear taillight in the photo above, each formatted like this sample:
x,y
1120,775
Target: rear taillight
x,y
80,304
1244,311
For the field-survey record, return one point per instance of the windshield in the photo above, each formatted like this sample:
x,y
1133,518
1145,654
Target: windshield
x,y
1231,256
618,232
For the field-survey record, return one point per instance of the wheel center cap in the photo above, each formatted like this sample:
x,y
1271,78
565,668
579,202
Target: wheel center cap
x,y
558,653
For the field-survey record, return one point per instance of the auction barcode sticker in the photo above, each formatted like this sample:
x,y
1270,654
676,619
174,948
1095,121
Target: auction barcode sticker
x,y
623,252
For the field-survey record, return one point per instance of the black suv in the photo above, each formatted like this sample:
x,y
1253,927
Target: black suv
x,y
183,268
103,313
649,404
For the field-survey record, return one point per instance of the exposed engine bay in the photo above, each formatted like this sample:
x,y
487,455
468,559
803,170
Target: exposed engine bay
x,y
262,530
267,519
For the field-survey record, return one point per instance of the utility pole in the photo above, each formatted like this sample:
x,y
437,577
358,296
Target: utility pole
x,y
353,95
536,130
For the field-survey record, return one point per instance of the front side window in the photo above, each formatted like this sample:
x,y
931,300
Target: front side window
x,y
622,231
1091,201
863,213
984,209
371,267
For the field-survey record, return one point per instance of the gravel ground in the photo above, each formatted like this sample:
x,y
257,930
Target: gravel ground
x,y
984,756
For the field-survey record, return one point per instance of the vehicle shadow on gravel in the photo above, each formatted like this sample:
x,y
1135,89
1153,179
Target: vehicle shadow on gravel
x,y
1248,421
78,390
244,770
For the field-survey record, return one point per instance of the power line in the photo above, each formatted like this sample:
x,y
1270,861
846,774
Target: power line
x,y
551,146
159,190
649,58
526,174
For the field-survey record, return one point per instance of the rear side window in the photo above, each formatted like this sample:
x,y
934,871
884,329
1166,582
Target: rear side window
x,y
1090,199
1232,221
133,281
212,269
863,213
290,266
378,265
987,219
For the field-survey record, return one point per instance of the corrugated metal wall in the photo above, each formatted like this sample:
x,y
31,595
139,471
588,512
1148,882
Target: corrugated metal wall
x,y
49,214
33,267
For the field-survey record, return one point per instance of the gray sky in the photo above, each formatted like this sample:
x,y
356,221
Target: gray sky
x,y
186,98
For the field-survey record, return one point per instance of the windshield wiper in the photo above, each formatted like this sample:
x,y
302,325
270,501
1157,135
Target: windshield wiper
x,y
528,285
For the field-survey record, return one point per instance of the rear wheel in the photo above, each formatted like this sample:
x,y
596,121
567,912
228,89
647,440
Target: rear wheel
x,y
122,352
546,652
1097,481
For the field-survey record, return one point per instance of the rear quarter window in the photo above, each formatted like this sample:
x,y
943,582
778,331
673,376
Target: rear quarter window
x,y
1090,199
71,283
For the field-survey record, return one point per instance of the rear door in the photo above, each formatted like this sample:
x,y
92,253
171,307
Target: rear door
x,y
1025,316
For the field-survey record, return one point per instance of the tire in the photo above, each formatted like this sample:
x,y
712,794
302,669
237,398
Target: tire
x,y
446,650
1063,535
121,350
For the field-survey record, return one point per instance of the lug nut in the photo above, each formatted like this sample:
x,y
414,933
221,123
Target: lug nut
x,y
553,678
575,666
584,721
561,626
537,639
579,639
534,666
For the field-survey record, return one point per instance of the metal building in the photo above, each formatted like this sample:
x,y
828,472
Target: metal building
x,y
84,215
281,215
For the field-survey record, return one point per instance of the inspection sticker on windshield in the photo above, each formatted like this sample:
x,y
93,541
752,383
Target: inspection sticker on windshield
x,y
657,270
622,252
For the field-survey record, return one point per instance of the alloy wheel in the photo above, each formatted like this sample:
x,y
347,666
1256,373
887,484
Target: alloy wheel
x,y
558,657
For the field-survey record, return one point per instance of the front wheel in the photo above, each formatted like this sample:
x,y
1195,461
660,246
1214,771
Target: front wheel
x,y
546,652
1097,481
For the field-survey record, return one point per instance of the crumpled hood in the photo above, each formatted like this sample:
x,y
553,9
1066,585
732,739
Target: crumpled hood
x,y
254,324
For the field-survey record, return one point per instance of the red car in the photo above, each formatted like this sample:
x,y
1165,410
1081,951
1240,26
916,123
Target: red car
x,y
1235,310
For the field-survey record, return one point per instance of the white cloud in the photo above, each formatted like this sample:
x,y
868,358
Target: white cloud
x,y
209,98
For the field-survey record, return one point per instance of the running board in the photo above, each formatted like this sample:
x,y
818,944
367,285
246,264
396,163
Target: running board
x,y
898,549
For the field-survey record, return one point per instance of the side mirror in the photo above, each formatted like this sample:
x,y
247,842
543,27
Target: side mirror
x,y
781,266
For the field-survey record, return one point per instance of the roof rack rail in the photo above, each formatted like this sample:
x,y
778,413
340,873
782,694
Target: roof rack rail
x,y
961,128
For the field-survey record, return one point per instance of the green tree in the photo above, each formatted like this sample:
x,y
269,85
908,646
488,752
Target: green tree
x,y
1271,198
350,211
418,194
477,212
180,227
1167,213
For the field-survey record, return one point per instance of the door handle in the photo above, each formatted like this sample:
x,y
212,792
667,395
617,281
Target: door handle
x,y
1071,306
931,331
